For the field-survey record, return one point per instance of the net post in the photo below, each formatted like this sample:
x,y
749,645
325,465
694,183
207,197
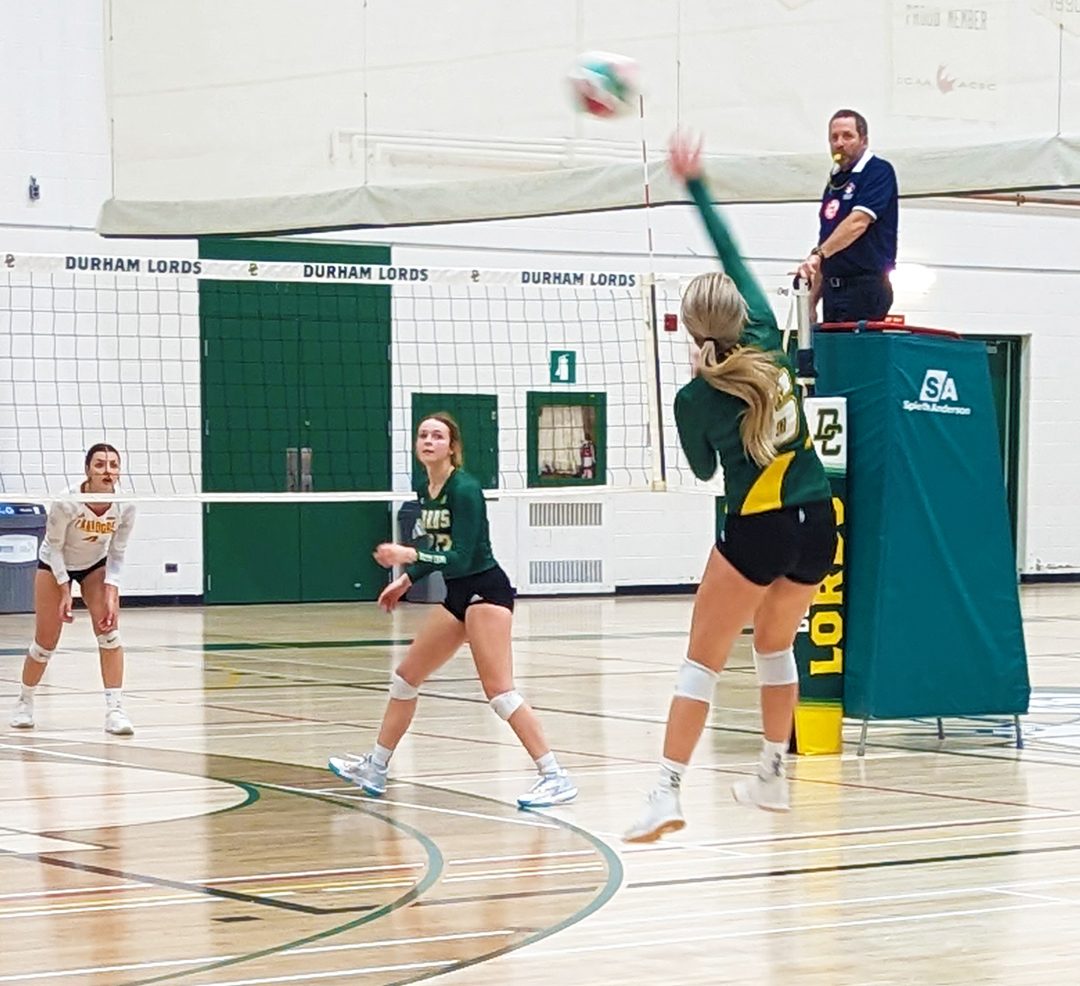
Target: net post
x,y
658,465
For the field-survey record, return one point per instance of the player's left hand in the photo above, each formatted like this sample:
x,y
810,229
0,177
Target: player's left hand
x,y
391,595
389,554
112,609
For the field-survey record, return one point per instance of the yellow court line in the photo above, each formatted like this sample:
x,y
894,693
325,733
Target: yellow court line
x,y
128,906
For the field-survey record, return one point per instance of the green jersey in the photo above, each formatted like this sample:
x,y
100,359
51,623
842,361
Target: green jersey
x,y
456,525
708,419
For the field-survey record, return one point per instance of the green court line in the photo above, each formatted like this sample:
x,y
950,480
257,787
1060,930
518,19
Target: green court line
x,y
210,647
435,866
611,885
434,870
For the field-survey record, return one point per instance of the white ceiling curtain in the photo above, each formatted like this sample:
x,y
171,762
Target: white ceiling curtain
x,y
263,116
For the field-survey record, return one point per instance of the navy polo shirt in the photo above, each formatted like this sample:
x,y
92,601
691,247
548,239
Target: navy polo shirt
x,y
870,187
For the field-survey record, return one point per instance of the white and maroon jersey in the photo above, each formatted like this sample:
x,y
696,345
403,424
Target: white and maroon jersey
x,y
76,538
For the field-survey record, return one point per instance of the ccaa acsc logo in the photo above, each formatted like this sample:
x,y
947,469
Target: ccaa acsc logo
x,y
938,395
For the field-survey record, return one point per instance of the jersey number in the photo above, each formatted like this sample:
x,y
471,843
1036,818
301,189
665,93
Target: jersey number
x,y
443,542
786,416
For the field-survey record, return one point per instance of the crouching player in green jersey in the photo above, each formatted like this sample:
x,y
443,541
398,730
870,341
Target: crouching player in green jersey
x,y
479,609
779,537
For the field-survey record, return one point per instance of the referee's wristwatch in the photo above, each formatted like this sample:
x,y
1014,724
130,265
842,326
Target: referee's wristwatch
x,y
817,252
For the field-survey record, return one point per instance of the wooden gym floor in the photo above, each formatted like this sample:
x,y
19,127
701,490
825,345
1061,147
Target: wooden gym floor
x,y
213,847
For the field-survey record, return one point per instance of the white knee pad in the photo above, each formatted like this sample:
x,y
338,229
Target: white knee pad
x,y
506,704
777,669
400,688
109,641
38,653
695,681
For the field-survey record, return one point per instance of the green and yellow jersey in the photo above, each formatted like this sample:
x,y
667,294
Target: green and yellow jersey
x,y
455,522
708,419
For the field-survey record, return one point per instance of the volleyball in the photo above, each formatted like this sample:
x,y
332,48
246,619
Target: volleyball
x,y
605,85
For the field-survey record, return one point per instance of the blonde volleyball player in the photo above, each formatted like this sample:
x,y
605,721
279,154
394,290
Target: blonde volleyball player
x,y
84,543
779,536
479,609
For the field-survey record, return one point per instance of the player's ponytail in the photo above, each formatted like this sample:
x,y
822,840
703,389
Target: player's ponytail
x,y
750,375
715,313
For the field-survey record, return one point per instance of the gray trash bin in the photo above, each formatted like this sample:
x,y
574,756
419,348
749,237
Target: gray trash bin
x,y
431,589
22,529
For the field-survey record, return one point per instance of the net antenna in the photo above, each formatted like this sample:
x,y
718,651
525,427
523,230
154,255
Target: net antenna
x,y
805,370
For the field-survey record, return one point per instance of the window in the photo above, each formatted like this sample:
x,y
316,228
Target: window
x,y
567,440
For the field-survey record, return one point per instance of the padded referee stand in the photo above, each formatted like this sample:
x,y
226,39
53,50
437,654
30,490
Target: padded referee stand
x,y
932,624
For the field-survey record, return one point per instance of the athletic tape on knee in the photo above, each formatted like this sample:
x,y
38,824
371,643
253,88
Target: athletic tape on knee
x,y
506,704
695,681
38,653
109,641
400,688
778,668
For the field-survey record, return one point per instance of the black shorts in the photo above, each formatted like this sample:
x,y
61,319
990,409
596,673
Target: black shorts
x,y
796,543
77,575
491,586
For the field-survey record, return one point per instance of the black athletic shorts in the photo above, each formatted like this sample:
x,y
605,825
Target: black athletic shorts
x,y
76,574
797,543
491,586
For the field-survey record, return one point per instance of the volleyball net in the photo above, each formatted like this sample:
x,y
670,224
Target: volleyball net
x,y
241,379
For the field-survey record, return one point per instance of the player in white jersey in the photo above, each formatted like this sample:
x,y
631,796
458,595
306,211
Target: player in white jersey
x,y
84,543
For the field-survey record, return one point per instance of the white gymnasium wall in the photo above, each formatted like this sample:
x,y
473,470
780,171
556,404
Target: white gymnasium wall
x,y
55,128
997,269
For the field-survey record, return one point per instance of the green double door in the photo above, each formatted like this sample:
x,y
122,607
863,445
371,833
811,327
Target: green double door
x,y
296,398
478,417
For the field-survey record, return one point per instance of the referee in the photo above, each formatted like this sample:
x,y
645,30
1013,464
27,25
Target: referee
x,y
856,249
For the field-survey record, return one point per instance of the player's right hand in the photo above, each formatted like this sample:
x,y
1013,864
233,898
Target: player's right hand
x,y
684,156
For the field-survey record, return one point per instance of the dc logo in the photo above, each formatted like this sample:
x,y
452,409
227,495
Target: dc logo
x,y
937,385
828,429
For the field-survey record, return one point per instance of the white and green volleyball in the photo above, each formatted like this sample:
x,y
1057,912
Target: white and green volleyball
x,y
604,84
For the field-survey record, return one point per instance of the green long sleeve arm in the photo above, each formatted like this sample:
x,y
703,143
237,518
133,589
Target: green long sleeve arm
x,y
693,432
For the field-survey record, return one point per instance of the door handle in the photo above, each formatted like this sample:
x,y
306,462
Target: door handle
x,y
306,484
292,470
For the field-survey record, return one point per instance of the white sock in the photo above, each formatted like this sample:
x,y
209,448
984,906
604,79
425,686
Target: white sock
x,y
772,758
547,764
671,773
27,693
112,698
381,755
